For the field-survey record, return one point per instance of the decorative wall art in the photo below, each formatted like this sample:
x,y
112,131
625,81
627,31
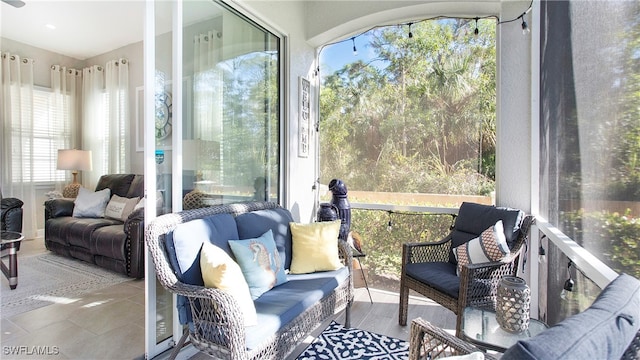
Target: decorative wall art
x,y
304,112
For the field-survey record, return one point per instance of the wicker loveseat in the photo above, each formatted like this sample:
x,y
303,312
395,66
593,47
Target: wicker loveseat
x,y
286,314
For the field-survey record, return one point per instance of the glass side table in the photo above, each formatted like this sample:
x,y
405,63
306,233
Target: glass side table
x,y
481,328
10,241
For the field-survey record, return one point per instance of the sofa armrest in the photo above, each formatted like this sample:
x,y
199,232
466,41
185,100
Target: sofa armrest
x,y
216,317
58,207
479,283
12,214
134,229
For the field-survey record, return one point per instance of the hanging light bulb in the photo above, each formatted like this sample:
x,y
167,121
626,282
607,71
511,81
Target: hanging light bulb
x,y
542,255
410,33
568,284
355,51
525,27
389,224
476,31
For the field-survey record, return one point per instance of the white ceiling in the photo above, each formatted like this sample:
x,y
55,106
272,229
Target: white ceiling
x,y
86,28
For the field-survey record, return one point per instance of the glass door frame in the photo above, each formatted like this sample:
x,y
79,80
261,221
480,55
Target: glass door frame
x,y
152,347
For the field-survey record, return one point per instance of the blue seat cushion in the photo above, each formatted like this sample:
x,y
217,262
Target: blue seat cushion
x,y
474,218
254,224
282,304
602,331
439,275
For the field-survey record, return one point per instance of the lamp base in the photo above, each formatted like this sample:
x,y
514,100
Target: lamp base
x,y
71,190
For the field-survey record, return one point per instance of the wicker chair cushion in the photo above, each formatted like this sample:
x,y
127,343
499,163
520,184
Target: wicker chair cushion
x,y
285,302
183,249
603,331
474,218
255,223
442,277
184,243
439,275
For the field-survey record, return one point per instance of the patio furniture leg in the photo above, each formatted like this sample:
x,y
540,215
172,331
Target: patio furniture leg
x,y
179,345
404,304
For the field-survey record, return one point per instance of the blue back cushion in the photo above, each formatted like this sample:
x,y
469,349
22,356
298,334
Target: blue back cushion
x,y
184,243
183,248
256,223
474,218
603,331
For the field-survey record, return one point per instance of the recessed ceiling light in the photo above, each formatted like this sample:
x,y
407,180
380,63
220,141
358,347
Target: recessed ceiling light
x,y
51,26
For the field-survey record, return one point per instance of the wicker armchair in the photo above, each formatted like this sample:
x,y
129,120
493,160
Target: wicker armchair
x,y
430,268
431,342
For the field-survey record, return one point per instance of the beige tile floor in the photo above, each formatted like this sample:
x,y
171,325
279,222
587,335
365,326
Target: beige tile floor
x,y
109,324
105,324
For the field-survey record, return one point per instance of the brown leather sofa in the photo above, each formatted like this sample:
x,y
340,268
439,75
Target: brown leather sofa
x,y
106,242
11,216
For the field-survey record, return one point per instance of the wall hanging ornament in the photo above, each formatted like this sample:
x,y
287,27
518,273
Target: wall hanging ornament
x,y
512,305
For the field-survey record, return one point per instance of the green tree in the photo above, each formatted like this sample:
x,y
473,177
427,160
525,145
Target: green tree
x,y
418,116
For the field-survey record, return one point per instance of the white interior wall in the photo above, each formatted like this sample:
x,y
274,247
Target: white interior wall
x,y
513,153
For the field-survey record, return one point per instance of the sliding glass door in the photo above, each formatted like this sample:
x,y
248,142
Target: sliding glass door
x,y
213,81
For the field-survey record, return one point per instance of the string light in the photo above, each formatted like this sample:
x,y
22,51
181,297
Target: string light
x,y
476,31
568,284
389,225
542,253
525,27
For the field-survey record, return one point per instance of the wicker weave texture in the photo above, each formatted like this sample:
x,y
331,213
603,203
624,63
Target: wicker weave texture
x,y
430,342
218,322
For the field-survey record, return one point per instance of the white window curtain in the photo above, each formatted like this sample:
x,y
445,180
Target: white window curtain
x,y
95,132
207,86
117,90
105,119
17,136
208,92
64,113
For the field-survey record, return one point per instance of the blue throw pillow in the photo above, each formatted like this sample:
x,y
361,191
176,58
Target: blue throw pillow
x,y
260,262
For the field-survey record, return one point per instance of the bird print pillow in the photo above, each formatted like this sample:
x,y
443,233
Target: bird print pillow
x,y
260,263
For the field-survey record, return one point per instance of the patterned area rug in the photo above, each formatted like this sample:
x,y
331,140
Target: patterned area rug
x,y
49,278
338,342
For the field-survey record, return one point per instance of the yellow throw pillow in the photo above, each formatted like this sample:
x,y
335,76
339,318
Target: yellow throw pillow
x,y
221,272
315,247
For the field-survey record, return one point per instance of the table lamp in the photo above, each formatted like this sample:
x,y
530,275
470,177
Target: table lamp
x,y
74,160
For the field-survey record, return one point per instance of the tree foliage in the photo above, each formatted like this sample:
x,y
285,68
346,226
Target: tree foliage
x,y
418,116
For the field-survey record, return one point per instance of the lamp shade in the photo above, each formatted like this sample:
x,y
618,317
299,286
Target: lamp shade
x,y
72,159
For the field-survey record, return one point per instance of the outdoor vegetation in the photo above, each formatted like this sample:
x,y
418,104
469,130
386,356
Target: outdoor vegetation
x,y
416,114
